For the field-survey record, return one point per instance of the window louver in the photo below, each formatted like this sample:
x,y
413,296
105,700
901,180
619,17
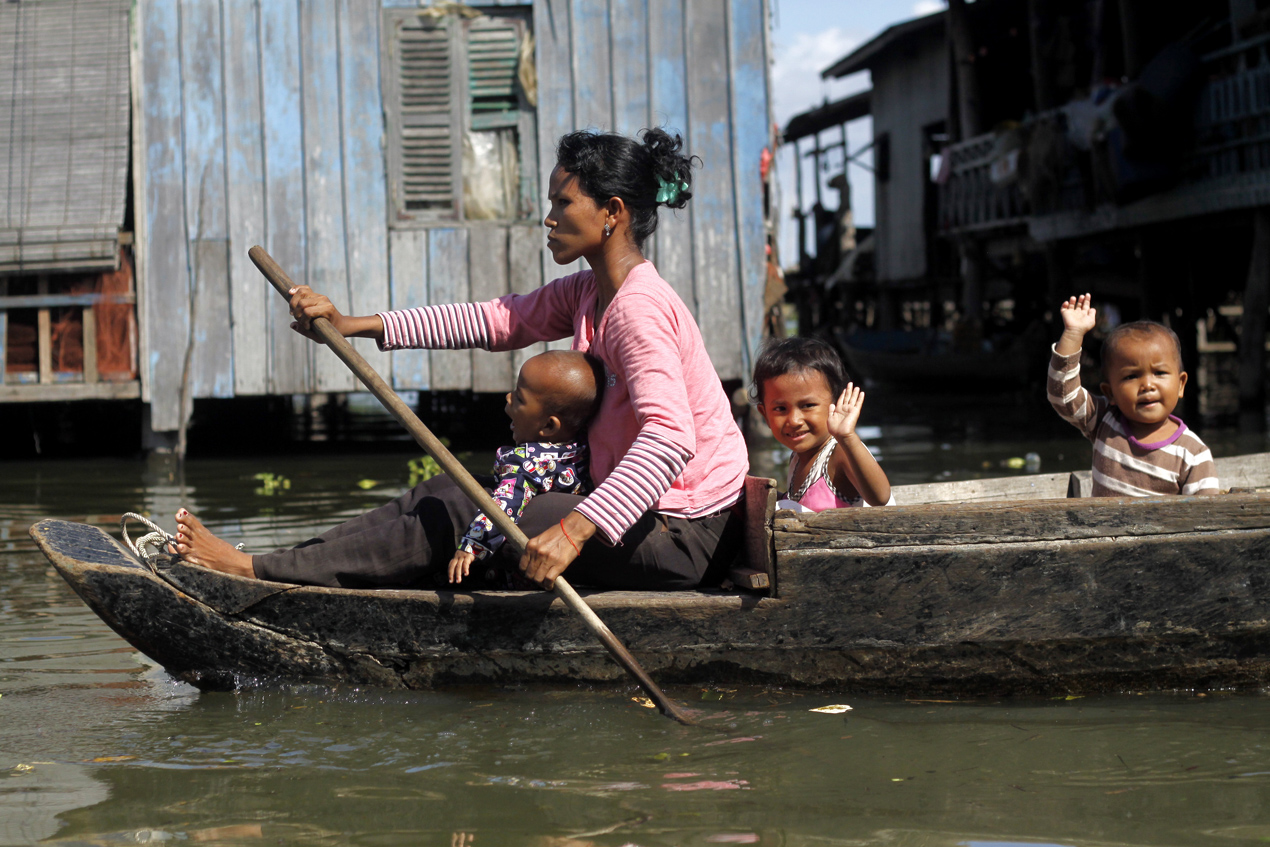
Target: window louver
x,y
493,56
427,96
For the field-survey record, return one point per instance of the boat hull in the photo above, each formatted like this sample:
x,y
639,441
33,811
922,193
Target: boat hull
x,y
1061,596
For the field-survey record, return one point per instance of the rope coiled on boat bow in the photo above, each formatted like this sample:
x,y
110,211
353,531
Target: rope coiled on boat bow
x,y
157,537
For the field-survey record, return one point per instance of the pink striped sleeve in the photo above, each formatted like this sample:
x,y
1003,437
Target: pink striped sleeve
x,y
643,475
455,326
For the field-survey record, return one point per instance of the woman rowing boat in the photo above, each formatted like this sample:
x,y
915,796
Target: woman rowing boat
x,y
667,458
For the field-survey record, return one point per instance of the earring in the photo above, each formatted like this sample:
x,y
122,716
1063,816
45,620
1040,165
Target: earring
x,y
608,230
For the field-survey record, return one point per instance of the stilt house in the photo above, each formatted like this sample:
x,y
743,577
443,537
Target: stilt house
x,y
1026,150
387,153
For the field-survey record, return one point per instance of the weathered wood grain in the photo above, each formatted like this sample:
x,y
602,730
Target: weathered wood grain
x,y
365,193
203,110
408,269
714,225
1034,591
990,619
747,59
324,174
286,231
524,262
245,196
554,51
448,283
212,364
489,275
1247,471
668,101
630,65
953,525
592,69
166,314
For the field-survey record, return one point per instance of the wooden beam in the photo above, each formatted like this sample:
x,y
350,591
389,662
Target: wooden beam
x,y
66,391
90,344
4,331
44,329
57,301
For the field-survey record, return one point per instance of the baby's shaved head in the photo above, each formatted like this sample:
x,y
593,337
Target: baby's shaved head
x,y
1125,335
575,385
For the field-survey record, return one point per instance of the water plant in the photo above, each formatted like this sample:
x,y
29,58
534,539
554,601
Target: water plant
x,y
271,484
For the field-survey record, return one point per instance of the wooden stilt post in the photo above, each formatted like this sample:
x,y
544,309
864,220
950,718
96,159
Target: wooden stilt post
x,y
44,329
4,331
1252,336
90,344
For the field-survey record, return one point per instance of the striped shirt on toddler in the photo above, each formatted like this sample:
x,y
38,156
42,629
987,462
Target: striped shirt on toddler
x,y
1124,466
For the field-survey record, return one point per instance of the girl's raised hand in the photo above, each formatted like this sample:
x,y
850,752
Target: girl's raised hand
x,y
1078,315
844,414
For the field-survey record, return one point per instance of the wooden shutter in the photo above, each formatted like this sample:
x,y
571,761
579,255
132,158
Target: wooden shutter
x,y
493,52
429,113
64,78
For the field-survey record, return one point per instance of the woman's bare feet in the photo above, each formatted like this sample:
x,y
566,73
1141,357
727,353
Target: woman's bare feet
x,y
199,547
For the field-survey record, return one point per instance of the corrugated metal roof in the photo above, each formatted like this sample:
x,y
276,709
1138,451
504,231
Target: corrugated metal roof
x,y
64,112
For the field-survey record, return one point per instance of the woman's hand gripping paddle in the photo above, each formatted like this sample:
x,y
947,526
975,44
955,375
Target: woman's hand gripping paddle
x,y
438,451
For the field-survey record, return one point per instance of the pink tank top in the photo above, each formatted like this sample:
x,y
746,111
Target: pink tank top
x,y
817,492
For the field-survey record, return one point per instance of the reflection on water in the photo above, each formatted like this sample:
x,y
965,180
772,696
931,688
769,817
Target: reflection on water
x,y
98,746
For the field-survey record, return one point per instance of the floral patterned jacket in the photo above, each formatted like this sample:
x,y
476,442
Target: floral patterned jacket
x,y
525,471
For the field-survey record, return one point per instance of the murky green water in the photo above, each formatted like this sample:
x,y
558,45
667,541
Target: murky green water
x,y
98,746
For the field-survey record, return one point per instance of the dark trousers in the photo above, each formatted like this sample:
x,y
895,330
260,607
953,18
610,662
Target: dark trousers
x,y
408,542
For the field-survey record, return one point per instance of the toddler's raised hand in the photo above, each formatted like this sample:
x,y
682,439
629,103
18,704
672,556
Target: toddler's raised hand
x,y
844,414
1078,315
460,565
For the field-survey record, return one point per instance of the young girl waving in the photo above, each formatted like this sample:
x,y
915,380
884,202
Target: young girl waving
x,y
796,381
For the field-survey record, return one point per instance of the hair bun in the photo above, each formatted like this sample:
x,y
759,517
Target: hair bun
x,y
672,169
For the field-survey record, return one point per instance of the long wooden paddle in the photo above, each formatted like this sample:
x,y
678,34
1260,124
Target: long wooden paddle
x,y
478,495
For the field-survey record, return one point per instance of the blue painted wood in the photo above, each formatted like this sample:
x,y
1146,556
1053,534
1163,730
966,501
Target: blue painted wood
x,y
166,289
212,363
668,95
448,282
747,50
487,247
323,174
555,102
245,196
524,259
714,211
408,266
286,231
592,78
630,65
365,196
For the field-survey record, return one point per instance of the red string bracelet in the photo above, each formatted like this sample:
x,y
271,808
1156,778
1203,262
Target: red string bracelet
x,y
567,538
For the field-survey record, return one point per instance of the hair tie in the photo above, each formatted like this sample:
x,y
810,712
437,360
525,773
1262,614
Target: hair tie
x,y
668,192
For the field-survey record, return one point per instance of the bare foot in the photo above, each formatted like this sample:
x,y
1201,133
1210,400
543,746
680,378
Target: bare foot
x,y
199,547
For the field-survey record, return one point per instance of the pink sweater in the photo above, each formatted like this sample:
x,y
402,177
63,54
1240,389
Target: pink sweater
x,y
664,437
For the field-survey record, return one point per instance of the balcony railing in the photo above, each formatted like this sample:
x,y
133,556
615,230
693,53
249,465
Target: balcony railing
x,y
1035,174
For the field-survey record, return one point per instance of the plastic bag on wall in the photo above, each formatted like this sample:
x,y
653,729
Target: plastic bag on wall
x,y
491,175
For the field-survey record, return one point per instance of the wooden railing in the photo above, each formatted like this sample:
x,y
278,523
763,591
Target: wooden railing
x,y
23,385
969,199
1231,140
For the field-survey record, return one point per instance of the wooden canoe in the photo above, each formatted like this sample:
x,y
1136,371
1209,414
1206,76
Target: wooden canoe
x,y
1012,588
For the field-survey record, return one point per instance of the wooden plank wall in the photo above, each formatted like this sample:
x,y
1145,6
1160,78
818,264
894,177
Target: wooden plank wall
x,y
261,122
